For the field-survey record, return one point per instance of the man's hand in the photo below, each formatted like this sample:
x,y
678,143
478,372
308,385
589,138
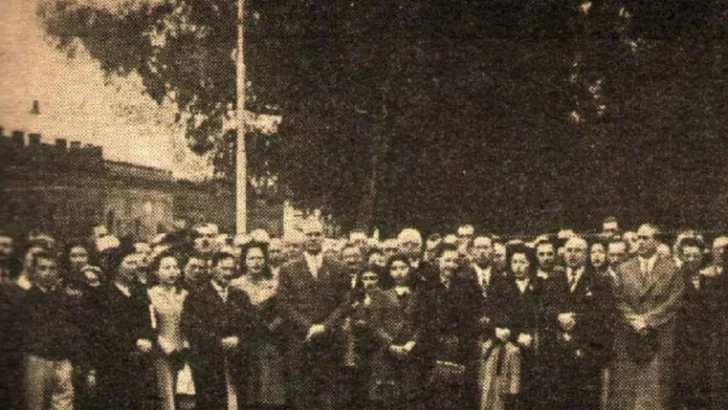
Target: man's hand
x,y
566,321
144,345
230,342
525,340
502,334
315,330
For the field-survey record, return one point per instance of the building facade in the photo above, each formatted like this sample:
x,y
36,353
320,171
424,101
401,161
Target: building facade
x,y
65,189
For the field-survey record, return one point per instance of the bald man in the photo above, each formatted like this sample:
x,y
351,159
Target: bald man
x,y
578,309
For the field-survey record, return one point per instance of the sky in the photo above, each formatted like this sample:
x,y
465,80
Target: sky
x,y
77,103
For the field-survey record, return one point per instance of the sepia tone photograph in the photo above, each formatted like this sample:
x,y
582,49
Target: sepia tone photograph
x,y
363,205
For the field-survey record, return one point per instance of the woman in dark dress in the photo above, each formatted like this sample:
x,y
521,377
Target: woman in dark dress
x,y
508,368
266,385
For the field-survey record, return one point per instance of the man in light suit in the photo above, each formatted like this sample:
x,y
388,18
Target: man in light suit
x,y
648,297
312,292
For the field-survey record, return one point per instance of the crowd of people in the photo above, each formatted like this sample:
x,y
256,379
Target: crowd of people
x,y
196,319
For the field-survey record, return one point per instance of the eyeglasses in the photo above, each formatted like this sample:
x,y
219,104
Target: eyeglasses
x,y
644,237
314,234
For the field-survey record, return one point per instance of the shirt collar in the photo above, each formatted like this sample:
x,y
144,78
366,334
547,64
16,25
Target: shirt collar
x,y
314,261
523,284
483,273
123,289
217,287
402,290
651,260
23,282
579,272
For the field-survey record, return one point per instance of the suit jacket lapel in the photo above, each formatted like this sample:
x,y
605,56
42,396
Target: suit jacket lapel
x,y
631,277
654,277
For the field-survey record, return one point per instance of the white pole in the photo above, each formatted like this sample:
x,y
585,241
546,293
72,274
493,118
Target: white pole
x,y
241,180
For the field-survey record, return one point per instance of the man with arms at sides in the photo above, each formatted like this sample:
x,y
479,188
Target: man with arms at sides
x,y
410,244
122,336
215,321
312,291
51,337
648,298
578,307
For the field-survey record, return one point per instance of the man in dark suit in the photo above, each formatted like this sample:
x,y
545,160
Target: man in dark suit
x,y
121,337
578,310
51,337
216,320
312,291
694,329
649,295
452,306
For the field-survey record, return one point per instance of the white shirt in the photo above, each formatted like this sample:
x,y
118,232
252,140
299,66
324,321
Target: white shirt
x,y
23,282
646,265
522,284
483,275
402,290
123,289
570,272
220,291
314,262
542,274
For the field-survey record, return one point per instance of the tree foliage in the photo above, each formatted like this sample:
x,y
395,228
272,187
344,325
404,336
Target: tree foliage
x,y
510,114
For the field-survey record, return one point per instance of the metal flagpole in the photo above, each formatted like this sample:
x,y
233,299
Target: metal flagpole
x,y
241,174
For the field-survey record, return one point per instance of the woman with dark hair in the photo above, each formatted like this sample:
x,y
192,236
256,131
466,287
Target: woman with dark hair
x,y
506,376
122,337
598,258
81,285
266,386
166,300
393,320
